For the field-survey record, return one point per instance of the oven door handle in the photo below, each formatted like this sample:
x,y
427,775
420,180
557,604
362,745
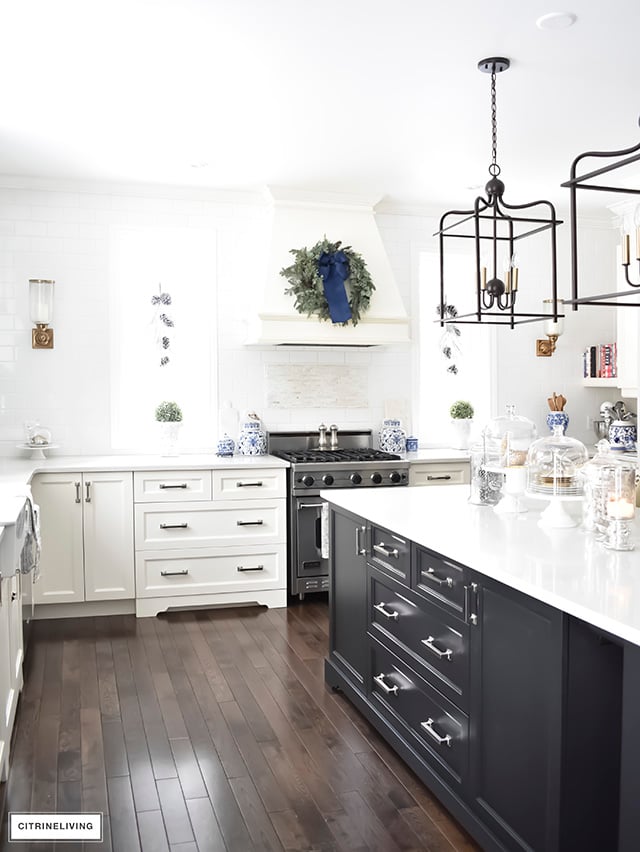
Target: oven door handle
x,y
309,505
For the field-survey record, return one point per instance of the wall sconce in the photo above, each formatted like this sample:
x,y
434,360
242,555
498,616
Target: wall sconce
x,y
553,328
41,312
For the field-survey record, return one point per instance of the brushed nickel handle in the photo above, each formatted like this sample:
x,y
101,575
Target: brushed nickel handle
x,y
249,523
428,727
393,615
182,573
165,485
243,569
431,478
309,505
390,690
87,498
386,551
77,485
249,484
430,575
182,526
429,642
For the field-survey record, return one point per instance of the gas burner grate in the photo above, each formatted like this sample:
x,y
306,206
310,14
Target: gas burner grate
x,y
328,456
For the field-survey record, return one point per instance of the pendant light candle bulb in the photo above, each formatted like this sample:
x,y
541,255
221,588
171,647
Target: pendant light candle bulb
x,y
626,250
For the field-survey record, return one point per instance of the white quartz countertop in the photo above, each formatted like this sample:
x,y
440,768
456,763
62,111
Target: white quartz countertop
x,y
437,454
566,568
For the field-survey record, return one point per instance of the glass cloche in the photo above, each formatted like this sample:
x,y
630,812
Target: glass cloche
x,y
554,465
508,438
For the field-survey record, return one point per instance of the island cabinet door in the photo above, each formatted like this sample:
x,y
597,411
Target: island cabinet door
x,y
517,670
348,596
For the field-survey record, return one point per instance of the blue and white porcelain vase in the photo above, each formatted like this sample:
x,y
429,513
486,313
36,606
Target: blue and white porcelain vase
x,y
252,440
226,446
393,438
623,435
558,418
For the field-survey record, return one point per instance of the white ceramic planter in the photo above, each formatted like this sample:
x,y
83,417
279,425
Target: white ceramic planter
x,y
461,434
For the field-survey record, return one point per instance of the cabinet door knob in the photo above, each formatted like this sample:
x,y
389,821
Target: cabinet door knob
x,y
429,643
393,615
441,740
389,690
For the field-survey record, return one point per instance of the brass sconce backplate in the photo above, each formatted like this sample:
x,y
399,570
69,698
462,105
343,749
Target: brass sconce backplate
x,y
41,337
546,348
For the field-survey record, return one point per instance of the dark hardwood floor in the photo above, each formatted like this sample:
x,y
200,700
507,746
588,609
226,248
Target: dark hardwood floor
x,y
210,730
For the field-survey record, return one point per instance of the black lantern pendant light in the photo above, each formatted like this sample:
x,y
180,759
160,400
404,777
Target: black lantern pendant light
x,y
612,160
496,227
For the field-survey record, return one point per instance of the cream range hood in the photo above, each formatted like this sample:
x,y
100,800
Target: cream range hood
x,y
300,220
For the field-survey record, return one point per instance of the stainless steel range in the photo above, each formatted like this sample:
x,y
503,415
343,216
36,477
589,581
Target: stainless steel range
x,y
344,459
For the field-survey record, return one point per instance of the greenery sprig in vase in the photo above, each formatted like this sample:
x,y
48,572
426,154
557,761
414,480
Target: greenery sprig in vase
x,y
168,412
461,413
169,416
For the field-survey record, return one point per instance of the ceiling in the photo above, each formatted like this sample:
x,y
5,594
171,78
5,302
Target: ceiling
x,y
382,99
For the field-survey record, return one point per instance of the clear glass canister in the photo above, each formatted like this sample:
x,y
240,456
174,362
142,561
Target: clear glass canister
x,y
554,465
596,475
486,480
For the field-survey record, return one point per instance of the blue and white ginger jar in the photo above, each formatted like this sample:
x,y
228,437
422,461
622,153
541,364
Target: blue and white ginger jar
x,y
252,440
393,438
558,418
623,435
226,446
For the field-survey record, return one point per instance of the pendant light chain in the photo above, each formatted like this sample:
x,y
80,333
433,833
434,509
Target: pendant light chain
x,y
494,168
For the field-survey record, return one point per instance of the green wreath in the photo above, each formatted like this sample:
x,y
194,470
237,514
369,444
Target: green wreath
x,y
308,288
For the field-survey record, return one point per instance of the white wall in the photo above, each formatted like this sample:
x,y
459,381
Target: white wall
x,y
62,232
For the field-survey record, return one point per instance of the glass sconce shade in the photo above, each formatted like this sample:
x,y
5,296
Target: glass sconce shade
x,y
551,326
41,300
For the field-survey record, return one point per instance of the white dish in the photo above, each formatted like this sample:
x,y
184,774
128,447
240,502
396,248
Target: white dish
x,y
37,450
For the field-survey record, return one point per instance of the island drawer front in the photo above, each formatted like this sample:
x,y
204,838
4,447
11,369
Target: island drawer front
x,y
249,483
390,553
167,573
170,486
429,636
439,473
439,730
440,580
160,525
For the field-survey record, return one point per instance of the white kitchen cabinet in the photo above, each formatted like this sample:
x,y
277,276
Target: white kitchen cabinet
x,y
11,640
229,548
86,523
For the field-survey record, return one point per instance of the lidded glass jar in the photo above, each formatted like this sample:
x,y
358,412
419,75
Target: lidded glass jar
x,y
504,443
595,475
610,497
554,465
509,437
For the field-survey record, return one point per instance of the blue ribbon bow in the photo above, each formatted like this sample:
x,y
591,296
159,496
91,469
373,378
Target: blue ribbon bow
x,y
334,270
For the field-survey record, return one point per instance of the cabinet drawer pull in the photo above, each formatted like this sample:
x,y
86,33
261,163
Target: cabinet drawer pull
x,y
360,550
428,727
164,485
431,478
249,523
390,690
182,526
430,575
182,573
243,569
249,484
87,498
381,609
429,642
386,551
77,485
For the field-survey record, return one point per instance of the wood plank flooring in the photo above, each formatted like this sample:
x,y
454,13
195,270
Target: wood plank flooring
x,y
210,730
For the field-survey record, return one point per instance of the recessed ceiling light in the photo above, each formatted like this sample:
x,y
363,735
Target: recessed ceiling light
x,y
556,21
199,165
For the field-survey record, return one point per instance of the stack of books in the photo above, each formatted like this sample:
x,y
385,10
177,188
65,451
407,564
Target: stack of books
x,y
600,361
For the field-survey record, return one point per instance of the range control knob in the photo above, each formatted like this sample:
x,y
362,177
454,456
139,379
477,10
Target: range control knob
x,y
376,478
327,479
307,480
395,476
356,478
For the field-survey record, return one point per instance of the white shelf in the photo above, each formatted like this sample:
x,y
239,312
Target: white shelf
x,y
600,383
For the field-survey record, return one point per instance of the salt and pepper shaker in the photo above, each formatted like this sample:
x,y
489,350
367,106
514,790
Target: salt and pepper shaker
x,y
333,440
322,437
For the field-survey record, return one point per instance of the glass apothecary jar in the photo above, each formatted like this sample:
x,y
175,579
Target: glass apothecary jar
x,y
610,498
595,475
